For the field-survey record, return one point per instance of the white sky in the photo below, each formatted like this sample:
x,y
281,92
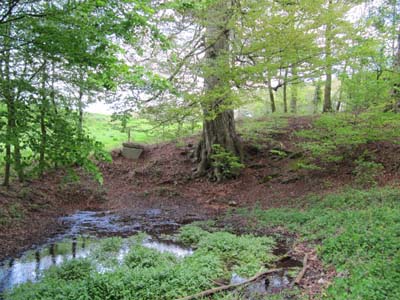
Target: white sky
x,y
99,108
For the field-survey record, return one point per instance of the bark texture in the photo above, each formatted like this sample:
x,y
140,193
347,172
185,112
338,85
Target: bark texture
x,y
396,86
294,94
271,96
219,121
285,106
328,64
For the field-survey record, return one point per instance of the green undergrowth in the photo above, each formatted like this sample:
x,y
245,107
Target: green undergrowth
x,y
357,231
260,130
334,137
148,274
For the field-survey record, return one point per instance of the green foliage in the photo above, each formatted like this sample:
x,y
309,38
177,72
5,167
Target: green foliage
x,y
147,274
141,257
366,172
245,255
111,244
41,110
191,235
226,162
358,233
71,270
336,137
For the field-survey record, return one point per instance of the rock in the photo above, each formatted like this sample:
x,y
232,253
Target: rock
x,y
232,203
133,145
132,151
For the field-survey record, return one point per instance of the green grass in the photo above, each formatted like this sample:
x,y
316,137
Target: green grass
x,y
358,232
110,133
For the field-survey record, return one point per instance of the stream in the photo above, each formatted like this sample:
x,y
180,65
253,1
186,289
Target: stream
x,y
84,230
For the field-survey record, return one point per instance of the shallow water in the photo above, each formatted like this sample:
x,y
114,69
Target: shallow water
x,y
84,232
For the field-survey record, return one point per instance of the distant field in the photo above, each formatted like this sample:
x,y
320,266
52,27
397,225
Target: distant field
x,y
111,135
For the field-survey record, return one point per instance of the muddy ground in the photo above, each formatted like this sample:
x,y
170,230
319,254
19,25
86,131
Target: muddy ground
x,y
162,179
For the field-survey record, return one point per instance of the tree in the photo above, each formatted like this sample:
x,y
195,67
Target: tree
x,y
219,122
328,61
49,51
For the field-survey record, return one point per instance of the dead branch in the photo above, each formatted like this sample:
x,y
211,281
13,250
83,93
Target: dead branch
x,y
229,286
301,273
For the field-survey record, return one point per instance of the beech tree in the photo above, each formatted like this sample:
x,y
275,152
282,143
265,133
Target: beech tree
x,y
219,122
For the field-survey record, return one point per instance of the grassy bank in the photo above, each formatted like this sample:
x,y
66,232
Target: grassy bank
x,y
357,231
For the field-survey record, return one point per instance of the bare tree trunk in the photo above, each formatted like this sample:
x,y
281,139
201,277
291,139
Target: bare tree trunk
x,y
317,96
80,104
293,99
43,129
396,86
219,122
271,95
10,108
328,64
285,106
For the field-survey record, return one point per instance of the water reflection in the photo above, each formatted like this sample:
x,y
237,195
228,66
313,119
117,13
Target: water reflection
x,y
30,266
84,232
32,263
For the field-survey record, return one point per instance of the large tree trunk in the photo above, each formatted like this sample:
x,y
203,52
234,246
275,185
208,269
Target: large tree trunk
x,y
328,64
219,122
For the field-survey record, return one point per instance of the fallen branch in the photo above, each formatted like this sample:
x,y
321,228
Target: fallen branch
x,y
302,272
229,286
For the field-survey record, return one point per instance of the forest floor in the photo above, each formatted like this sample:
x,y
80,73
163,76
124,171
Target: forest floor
x,y
162,179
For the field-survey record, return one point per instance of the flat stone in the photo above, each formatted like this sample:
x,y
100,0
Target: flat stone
x,y
131,153
132,145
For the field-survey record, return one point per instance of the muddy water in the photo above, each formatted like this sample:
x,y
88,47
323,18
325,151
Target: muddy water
x,y
84,231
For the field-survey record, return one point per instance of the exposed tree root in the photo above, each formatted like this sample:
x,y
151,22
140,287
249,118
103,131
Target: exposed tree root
x,y
230,286
301,273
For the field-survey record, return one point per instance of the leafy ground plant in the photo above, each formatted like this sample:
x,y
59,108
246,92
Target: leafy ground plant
x,y
358,232
148,274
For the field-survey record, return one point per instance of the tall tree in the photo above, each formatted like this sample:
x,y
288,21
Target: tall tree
x,y
328,60
219,122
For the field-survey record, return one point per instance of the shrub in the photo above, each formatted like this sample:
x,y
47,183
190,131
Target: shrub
x,y
227,164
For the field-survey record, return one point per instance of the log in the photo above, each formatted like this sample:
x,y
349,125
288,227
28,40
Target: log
x,y
230,286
